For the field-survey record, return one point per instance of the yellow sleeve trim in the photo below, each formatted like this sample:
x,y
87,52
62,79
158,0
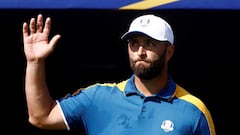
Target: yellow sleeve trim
x,y
183,94
120,85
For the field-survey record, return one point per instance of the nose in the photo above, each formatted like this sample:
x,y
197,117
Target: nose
x,y
141,51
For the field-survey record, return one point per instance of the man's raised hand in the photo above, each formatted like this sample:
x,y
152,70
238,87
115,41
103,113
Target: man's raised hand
x,y
35,39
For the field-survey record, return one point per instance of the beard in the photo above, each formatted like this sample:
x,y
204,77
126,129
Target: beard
x,y
147,73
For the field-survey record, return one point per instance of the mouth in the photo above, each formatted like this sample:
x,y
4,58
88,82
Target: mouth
x,y
141,63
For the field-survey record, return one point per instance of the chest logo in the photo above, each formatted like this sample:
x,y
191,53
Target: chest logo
x,y
167,125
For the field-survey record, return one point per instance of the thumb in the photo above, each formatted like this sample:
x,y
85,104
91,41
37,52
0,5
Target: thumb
x,y
54,40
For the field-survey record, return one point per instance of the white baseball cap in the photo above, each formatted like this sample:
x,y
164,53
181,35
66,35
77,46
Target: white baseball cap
x,y
152,26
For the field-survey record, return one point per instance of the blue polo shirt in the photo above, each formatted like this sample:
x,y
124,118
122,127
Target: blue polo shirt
x,y
120,109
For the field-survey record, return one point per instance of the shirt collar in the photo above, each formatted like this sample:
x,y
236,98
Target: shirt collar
x,y
167,93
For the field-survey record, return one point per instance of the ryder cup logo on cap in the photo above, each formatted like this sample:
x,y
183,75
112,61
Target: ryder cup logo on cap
x,y
152,26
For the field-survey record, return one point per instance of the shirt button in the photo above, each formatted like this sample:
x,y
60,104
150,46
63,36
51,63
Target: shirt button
x,y
144,109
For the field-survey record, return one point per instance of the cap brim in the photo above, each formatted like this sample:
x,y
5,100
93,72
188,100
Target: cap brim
x,y
128,34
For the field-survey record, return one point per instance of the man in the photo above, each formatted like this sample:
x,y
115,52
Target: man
x,y
148,103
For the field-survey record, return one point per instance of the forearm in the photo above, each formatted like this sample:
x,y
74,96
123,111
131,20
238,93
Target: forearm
x,y
39,101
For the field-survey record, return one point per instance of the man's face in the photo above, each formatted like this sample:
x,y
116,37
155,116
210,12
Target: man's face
x,y
147,56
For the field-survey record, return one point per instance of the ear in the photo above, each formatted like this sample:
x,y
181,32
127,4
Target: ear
x,y
170,51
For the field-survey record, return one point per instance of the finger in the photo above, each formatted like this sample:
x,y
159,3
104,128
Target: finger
x,y
32,26
25,29
39,24
54,40
47,26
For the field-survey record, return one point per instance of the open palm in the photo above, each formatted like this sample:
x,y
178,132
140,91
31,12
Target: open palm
x,y
35,39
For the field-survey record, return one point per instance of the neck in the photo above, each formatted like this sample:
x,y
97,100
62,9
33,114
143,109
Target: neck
x,y
152,86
